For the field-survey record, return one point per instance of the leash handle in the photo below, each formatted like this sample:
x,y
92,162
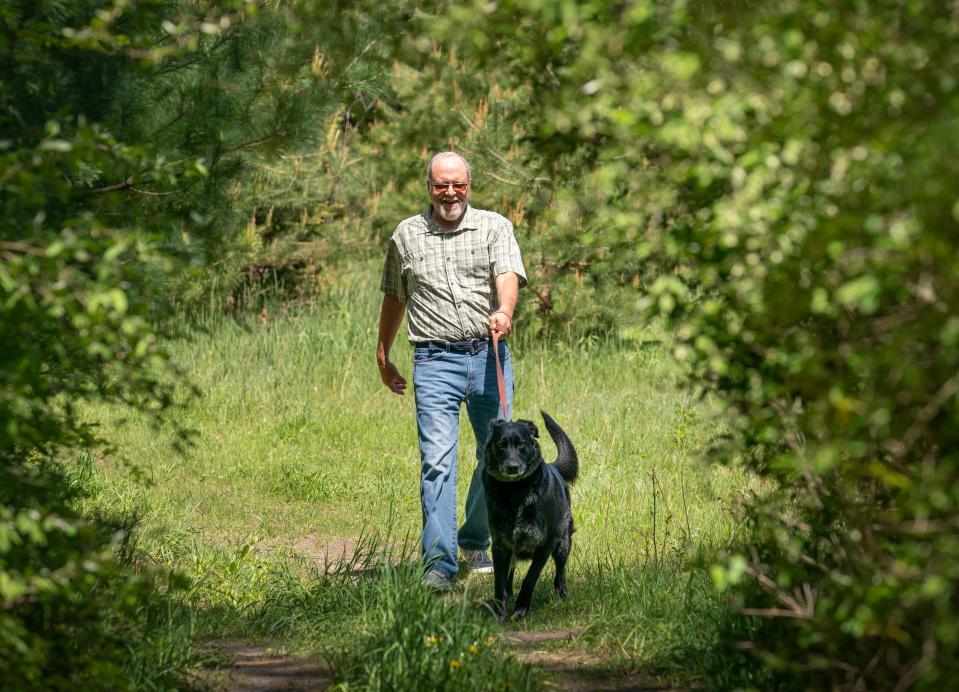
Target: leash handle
x,y
499,376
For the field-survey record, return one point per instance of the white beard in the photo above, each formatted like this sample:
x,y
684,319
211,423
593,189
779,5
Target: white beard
x,y
450,211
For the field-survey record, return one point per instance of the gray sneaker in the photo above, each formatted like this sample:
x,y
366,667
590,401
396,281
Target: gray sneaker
x,y
438,581
477,561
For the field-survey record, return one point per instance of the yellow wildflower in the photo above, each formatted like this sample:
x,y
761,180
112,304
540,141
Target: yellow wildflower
x,y
431,640
490,639
473,649
454,664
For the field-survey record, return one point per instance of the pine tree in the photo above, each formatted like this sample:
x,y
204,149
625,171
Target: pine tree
x,y
130,139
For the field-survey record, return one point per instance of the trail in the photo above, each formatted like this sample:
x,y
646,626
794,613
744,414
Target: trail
x,y
251,667
569,668
248,667
256,667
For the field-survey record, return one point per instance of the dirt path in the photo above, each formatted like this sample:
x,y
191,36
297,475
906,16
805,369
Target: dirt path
x,y
246,667
250,667
256,668
571,669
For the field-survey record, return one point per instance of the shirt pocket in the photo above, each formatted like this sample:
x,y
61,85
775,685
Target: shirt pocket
x,y
475,268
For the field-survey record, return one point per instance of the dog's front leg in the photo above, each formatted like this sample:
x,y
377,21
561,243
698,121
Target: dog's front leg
x,y
529,582
502,582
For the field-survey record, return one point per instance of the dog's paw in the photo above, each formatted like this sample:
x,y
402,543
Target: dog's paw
x,y
520,612
499,610
561,591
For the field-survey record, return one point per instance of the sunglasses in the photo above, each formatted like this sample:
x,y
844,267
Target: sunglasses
x,y
441,187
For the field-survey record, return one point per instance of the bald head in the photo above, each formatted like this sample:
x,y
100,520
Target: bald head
x,y
448,157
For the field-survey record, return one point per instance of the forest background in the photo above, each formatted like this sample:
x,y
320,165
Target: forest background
x,y
776,180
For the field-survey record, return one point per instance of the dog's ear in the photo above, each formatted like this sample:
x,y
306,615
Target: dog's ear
x,y
531,426
491,450
491,437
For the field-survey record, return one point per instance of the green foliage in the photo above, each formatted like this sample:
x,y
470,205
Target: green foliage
x,y
775,179
126,131
790,166
365,170
73,615
77,301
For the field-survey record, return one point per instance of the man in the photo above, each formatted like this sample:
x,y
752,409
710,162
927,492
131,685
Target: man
x,y
456,271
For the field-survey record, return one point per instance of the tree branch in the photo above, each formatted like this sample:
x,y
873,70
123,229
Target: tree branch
x,y
124,185
948,390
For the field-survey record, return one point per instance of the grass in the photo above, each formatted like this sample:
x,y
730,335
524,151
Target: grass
x,y
297,442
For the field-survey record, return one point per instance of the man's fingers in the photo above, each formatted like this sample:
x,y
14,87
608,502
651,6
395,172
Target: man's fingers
x,y
392,378
500,324
397,383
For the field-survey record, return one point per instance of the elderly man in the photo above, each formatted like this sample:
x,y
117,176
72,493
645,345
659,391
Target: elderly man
x,y
457,272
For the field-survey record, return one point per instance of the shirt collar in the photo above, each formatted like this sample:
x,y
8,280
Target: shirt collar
x,y
469,222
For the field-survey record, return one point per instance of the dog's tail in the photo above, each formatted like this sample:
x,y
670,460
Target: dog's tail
x,y
566,463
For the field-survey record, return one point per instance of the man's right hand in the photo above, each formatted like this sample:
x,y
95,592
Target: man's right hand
x,y
392,378
391,314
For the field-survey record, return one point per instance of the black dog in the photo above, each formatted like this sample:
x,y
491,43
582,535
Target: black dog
x,y
528,506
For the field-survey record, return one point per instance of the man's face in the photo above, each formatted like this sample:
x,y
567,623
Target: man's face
x,y
449,202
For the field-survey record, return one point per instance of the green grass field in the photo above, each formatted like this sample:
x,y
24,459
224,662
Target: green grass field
x,y
299,450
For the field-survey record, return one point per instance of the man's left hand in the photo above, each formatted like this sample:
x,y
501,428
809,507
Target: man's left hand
x,y
500,324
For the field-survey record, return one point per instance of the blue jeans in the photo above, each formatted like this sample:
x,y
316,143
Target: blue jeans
x,y
446,374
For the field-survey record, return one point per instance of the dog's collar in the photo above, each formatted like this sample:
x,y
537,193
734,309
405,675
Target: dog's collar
x,y
539,469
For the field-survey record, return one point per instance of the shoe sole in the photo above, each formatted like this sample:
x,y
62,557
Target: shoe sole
x,y
481,570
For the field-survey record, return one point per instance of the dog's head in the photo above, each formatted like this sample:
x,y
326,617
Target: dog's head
x,y
512,452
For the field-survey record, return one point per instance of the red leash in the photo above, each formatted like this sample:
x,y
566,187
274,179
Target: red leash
x,y
499,377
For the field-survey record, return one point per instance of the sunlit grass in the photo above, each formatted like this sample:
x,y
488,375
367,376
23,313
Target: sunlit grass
x,y
296,439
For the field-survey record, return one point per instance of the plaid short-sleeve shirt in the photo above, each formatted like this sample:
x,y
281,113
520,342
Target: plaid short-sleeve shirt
x,y
446,277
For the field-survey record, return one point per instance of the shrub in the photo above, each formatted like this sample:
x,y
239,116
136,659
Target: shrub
x,y
126,128
787,166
